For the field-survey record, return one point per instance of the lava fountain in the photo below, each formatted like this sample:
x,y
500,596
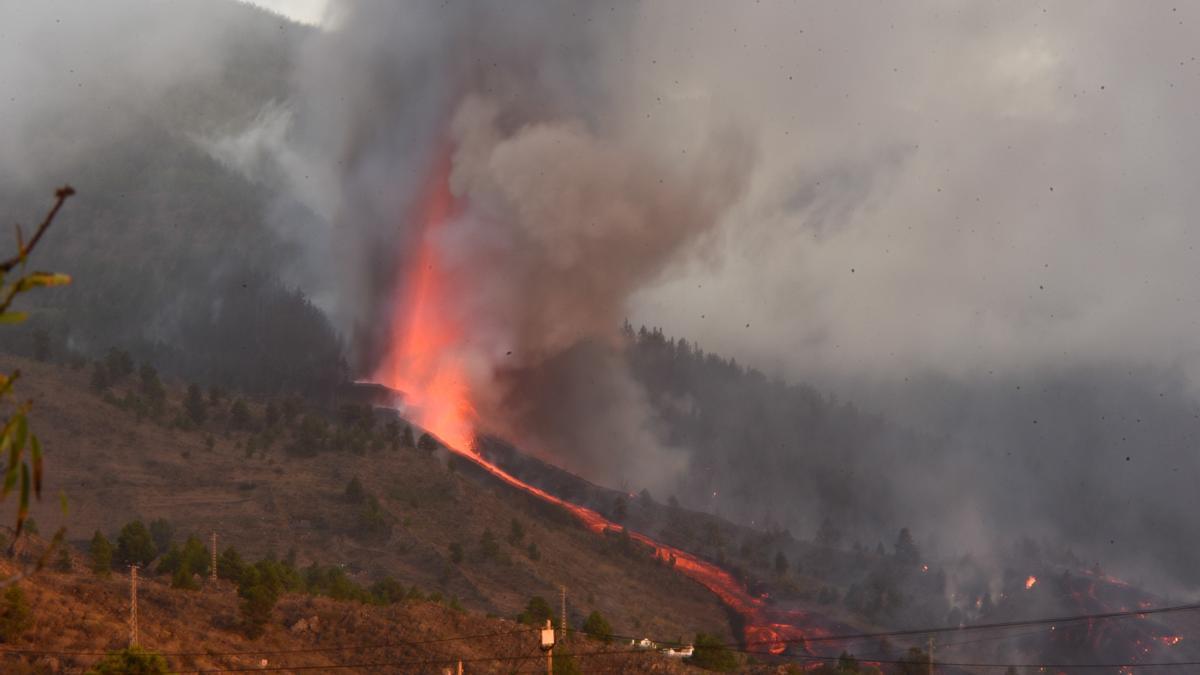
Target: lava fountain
x,y
426,362
425,359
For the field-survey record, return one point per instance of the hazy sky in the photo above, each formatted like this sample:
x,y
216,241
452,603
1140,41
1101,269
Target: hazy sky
x,y
965,186
304,11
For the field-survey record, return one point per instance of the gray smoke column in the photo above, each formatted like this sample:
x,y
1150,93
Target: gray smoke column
x,y
565,208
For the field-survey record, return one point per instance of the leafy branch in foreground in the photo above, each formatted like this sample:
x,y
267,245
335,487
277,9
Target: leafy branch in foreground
x,y
23,467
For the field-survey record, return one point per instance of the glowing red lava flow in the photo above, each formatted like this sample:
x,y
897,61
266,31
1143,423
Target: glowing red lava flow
x,y
426,364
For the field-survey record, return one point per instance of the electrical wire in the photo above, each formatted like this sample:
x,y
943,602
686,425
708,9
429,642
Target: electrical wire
x,y
742,648
271,652
911,632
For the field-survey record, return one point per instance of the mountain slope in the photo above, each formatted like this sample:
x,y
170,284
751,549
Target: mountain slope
x,y
114,467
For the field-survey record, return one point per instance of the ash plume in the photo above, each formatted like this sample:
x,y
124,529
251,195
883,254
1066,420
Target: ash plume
x,y
565,207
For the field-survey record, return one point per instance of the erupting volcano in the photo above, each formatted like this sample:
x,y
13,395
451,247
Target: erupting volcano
x,y
426,362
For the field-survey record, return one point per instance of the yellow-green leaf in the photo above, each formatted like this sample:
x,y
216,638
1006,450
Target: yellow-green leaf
x,y
20,432
14,457
42,280
7,381
13,317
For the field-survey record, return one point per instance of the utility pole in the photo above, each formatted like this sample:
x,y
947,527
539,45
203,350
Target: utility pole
x,y
930,655
563,617
547,646
133,603
213,572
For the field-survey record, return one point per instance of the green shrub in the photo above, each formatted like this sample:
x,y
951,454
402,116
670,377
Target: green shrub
x,y
373,523
489,548
354,492
259,592
230,565
387,591
131,661
597,626
239,415
537,611
710,654
516,532
15,617
184,579
63,562
332,581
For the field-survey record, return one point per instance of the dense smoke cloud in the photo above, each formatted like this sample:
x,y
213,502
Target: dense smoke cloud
x,y
561,228
564,208
952,187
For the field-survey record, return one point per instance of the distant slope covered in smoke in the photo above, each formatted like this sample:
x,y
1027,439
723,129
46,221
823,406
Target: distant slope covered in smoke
x,y
170,248
1099,459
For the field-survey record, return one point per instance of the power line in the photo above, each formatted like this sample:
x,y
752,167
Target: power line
x,y
435,662
591,654
738,647
644,652
270,652
947,629
986,626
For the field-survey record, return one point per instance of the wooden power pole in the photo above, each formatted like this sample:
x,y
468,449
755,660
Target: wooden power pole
x,y
213,572
547,646
930,655
133,603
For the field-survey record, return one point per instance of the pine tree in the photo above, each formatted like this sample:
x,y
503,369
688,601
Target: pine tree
x,y
239,415
135,546
101,552
597,627
516,532
906,548
162,531
194,405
